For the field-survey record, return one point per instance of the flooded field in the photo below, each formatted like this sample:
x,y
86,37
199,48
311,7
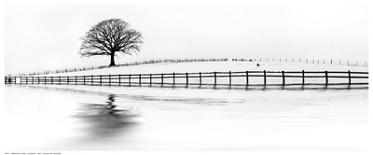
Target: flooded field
x,y
130,118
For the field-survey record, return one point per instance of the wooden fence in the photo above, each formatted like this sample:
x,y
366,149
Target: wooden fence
x,y
245,79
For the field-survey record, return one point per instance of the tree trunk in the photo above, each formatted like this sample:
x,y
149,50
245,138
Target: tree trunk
x,y
112,62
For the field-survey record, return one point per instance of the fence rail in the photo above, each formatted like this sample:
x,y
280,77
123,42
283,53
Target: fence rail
x,y
243,79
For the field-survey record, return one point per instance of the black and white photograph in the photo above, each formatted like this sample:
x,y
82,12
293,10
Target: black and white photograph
x,y
123,77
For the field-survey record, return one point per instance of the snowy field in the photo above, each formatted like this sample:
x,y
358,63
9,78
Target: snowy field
x,y
222,66
142,118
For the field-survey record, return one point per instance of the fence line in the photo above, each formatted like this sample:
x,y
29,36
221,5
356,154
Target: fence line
x,y
243,79
155,61
306,60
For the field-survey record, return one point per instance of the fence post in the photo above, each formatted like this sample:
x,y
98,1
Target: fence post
x,y
162,80
84,80
38,80
349,78
76,80
150,79
129,80
247,79
26,80
59,80
15,80
283,78
139,79
326,79
230,79
173,79
100,79
68,80
200,79
45,79
214,79
265,78
186,80
119,80
109,79
91,80
52,80
302,78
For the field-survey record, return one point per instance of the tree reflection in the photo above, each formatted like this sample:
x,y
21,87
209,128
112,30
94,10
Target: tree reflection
x,y
106,120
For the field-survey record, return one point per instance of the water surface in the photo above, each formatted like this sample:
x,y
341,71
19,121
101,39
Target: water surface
x,y
120,118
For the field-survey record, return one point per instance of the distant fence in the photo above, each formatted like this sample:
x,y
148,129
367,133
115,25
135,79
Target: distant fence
x,y
155,61
245,79
307,61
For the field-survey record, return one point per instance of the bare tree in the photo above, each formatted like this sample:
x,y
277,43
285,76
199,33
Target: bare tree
x,y
110,37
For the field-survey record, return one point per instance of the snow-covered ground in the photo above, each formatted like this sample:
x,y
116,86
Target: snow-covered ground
x,y
84,118
222,66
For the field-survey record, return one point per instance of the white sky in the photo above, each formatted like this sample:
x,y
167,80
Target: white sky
x,y
43,37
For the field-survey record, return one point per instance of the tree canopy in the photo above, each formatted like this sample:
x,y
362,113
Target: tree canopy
x,y
110,37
